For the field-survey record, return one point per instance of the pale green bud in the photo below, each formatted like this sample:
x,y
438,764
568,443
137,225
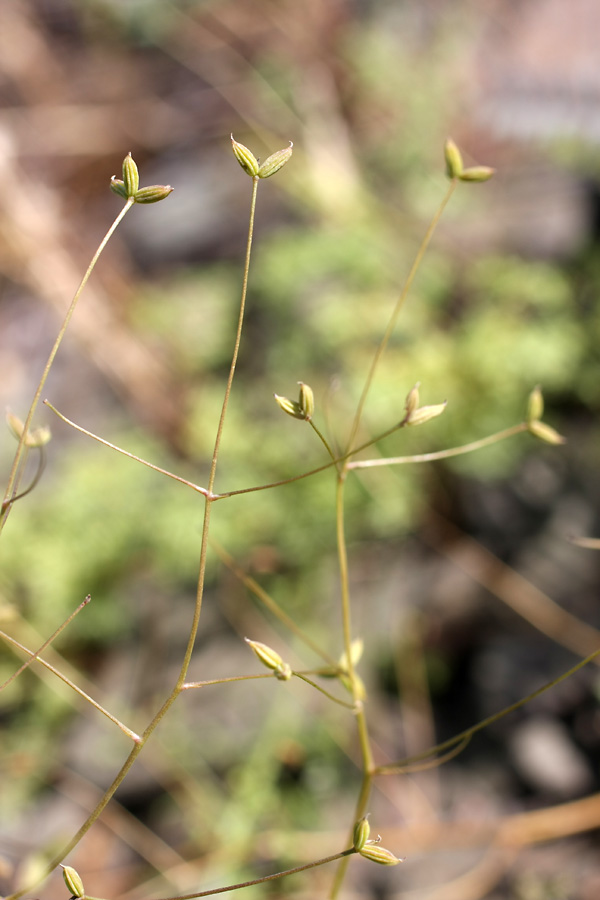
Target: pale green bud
x,y
271,659
412,400
131,178
290,407
454,163
425,413
379,855
73,881
245,157
477,173
118,187
356,651
361,832
535,405
274,162
39,437
153,193
545,433
306,400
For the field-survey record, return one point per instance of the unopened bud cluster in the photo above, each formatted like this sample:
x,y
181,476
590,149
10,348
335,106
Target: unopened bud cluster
x,y
539,429
73,882
36,438
371,849
418,415
271,659
456,170
129,186
252,166
303,408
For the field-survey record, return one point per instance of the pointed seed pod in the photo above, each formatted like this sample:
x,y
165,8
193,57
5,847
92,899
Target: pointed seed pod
x,y
535,405
290,407
545,433
361,832
153,193
306,400
454,163
118,187
131,178
379,855
274,162
245,157
477,173
425,413
73,881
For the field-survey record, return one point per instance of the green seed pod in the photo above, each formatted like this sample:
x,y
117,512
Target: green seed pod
x,y
535,405
118,187
290,407
274,162
73,881
245,157
306,400
476,173
425,413
360,836
379,855
153,193
545,433
131,178
454,163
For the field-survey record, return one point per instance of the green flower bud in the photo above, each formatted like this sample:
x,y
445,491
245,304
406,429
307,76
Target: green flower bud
x,y
454,163
290,407
39,437
306,400
73,881
545,433
153,193
274,162
360,836
379,855
271,659
131,178
535,405
245,157
425,413
477,173
118,187
412,400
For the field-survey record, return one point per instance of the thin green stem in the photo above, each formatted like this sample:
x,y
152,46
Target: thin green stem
x,y
396,311
323,440
95,437
36,478
34,657
359,811
190,685
208,498
321,690
265,878
440,454
469,732
270,604
47,642
318,469
8,497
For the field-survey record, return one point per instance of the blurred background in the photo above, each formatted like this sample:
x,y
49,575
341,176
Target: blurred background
x,y
466,585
